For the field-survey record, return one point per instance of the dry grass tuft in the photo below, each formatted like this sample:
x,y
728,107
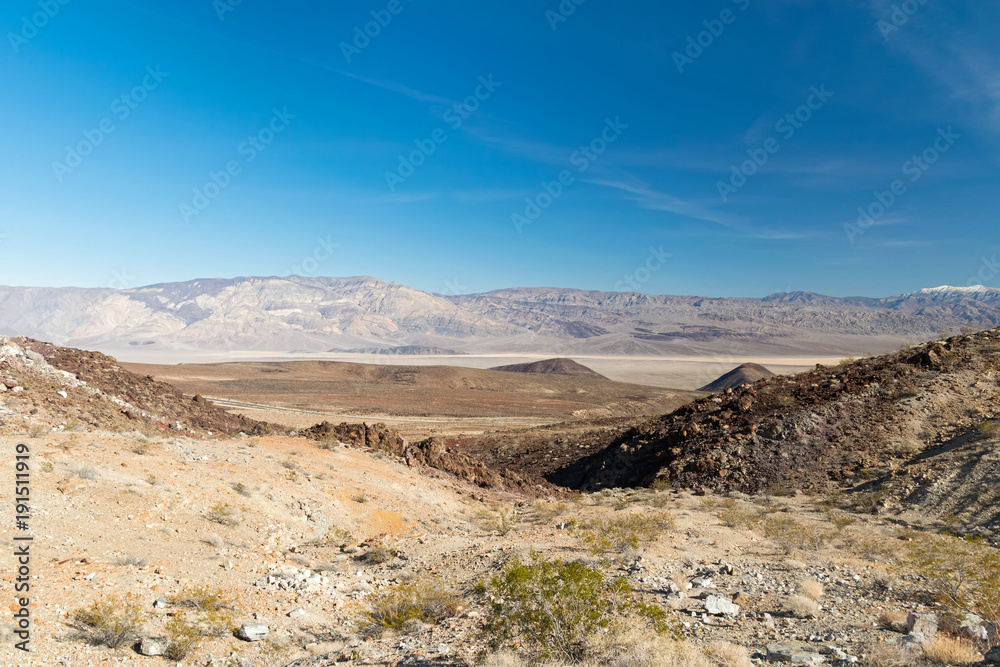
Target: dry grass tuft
x,y
890,654
724,654
810,588
944,650
800,607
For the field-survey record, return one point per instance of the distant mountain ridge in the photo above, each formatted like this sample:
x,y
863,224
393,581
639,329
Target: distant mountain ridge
x,y
317,315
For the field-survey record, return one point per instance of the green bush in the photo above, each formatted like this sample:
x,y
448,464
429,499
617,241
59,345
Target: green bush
x,y
963,574
555,607
111,622
398,606
182,638
618,535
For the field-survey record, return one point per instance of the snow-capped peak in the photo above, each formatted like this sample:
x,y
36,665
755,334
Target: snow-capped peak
x,y
948,289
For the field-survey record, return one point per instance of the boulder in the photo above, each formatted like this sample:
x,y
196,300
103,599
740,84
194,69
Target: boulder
x,y
253,631
993,656
720,606
922,624
153,646
797,652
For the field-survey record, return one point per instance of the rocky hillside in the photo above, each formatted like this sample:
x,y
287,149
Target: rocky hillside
x,y
308,315
552,367
911,427
48,386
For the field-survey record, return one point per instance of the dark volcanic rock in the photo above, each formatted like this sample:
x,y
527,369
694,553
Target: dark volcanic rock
x,y
551,367
745,374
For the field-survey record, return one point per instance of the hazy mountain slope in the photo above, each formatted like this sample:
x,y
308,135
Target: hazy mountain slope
x,y
323,314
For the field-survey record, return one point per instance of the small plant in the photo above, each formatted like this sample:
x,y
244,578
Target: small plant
x,y
800,606
987,430
789,535
360,497
289,464
888,654
811,589
131,560
963,574
47,466
111,622
141,448
944,650
223,514
724,654
554,607
36,431
502,520
214,540
619,535
241,488
182,638
202,598
734,515
396,607
785,400
378,555
151,479
330,443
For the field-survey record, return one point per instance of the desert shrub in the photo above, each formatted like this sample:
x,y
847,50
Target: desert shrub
x,y
500,519
619,535
840,520
944,650
396,607
789,535
214,540
289,463
378,554
962,573
202,598
987,430
785,400
182,638
621,647
111,622
241,488
141,448
800,606
735,515
555,607
36,431
214,608
810,588
131,559
890,654
222,513
724,654
907,390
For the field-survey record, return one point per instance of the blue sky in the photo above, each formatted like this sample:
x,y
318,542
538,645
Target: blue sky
x,y
593,145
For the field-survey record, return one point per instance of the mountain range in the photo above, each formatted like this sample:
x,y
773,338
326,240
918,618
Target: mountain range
x,y
318,315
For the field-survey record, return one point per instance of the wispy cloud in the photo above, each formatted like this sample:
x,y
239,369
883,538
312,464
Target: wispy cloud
x,y
646,197
959,53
